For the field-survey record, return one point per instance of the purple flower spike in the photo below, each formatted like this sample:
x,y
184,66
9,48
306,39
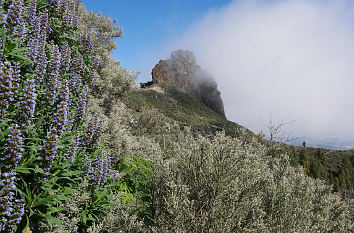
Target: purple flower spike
x,y
56,4
60,117
74,84
9,82
78,65
69,8
74,147
54,66
87,42
14,21
115,156
54,63
49,150
66,57
81,108
98,131
95,63
93,131
36,38
12,153
88,134
32,11
101,169
28,103
11,209
92,79
36,44
32,52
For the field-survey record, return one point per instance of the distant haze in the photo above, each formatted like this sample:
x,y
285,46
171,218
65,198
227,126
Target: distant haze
x,y
292,60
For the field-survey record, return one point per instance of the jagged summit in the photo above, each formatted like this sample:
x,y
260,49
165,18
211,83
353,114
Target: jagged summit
x,y
183,72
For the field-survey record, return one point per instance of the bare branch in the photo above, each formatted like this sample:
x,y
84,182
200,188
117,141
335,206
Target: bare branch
x,y
278,133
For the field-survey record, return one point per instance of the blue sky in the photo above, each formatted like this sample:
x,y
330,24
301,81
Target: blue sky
x,y
148,25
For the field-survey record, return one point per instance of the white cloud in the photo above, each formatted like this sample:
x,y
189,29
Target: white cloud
x,y
290,59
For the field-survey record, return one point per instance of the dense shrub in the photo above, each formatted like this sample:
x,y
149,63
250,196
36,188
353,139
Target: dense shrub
x,y
222,186
112,80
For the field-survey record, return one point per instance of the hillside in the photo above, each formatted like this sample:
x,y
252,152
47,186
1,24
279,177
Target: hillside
x,y
82,149
333,166
183,108
174,92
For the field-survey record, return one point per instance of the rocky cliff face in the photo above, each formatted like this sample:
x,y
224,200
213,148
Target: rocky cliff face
x,y
183,72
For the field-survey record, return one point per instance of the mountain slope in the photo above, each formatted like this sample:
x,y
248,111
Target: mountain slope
x,y
183,108
335,167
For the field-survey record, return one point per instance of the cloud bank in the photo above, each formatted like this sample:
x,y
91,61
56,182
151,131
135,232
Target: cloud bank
x,y
292,60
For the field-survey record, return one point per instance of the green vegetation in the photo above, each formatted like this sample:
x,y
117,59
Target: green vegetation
x,y
334,167
183,108
76,157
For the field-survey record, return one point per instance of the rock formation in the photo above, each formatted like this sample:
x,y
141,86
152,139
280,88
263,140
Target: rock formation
x,y
183,72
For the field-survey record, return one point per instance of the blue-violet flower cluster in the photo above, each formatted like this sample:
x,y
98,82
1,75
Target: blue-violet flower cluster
x,y
54,67
14,22
101,169
11,209
27,103
9,82
82,104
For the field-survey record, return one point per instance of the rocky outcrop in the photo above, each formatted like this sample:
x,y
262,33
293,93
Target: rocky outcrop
x,y
183,72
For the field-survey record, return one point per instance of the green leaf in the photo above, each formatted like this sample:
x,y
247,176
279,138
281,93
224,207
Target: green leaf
x,y
6,132
18,51
61,197
90,218
53,209
38,170
68,191
3,36
34,149
25,60
23,170
84,217
52,219
115,184
44,200
101,194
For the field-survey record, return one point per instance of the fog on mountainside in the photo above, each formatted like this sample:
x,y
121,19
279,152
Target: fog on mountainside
x,y
291,60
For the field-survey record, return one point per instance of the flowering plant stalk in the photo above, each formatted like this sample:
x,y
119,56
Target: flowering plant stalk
x,y
46,72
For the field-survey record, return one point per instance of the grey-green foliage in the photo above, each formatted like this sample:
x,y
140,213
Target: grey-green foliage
x,y
119,132
221,186
112,80
102,29
70,208
112,84
120,219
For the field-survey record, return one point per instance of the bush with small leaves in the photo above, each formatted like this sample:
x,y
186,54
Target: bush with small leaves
x,y
224,186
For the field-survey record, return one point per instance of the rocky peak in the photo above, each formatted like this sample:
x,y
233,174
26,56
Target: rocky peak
x,y
183,72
